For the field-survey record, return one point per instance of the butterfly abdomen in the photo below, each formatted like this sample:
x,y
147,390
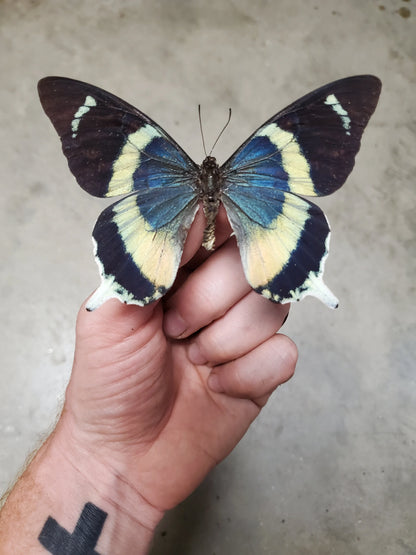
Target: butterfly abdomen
x,y
209,188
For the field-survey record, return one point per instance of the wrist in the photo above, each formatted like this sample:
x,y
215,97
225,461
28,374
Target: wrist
x,y
74,478
69,501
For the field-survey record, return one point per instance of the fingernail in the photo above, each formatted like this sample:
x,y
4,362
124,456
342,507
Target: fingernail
x,y
195,355
174,325
214,383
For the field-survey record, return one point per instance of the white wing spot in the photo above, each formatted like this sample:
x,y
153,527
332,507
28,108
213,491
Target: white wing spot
x,y
333,101
82,110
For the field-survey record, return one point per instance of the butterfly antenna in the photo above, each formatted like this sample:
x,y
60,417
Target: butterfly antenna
x,y
222,131
200,127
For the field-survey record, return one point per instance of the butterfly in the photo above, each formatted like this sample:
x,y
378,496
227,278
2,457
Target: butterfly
x,y
307,149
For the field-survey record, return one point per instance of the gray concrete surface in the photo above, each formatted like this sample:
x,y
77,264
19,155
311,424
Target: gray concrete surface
x,y
329,467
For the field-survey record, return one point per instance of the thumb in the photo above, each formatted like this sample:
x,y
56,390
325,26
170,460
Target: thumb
x,y
113,323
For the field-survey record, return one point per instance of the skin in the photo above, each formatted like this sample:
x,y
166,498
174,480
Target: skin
x,y
152,406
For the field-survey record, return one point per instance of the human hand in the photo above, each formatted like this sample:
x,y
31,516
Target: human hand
x,y
161,410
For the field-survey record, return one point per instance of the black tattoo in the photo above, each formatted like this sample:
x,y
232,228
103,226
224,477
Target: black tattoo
x,y
84,538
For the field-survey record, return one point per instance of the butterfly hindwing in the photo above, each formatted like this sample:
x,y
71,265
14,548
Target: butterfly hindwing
x,y
308,149
139,242
283,241
112,148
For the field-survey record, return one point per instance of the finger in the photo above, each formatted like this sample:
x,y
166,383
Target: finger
x,y
246,325
195,236
194,254
257,374
113,321
213,288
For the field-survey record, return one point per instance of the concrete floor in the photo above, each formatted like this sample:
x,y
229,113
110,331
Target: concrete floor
x,y
329,467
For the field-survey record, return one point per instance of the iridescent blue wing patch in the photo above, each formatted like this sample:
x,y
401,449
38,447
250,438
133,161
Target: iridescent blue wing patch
x,y
307,149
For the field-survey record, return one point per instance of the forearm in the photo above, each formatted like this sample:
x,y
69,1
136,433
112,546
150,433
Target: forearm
x,y
67,499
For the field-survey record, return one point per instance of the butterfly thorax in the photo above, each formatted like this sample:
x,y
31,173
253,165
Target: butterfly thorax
x,y
209,187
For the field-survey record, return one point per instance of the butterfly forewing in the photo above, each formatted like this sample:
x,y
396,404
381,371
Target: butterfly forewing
x,y
112,148
309,147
